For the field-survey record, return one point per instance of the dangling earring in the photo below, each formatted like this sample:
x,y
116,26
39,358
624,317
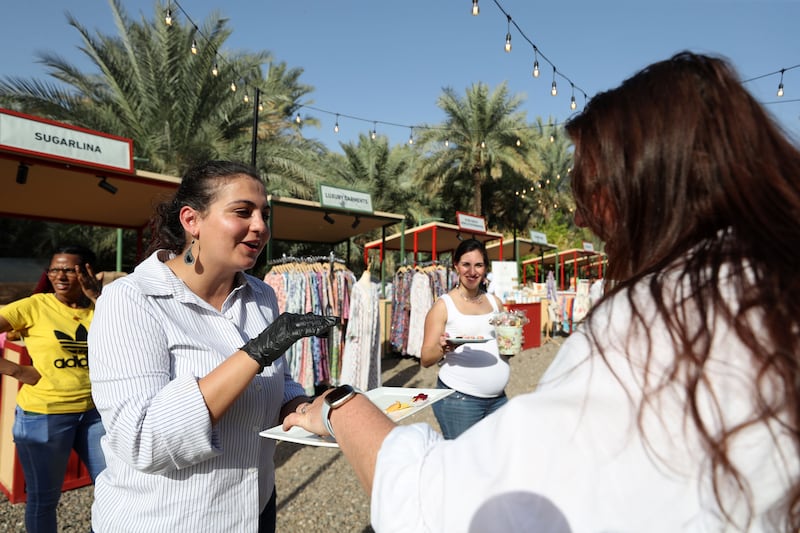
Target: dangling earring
x,y
188,257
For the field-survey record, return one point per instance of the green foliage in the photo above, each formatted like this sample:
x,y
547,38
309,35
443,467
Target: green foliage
x,y
484,158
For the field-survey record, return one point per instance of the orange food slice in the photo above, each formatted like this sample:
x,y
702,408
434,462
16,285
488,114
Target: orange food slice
x,y
397,406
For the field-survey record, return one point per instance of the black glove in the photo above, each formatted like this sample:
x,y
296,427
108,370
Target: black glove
x,y
287,329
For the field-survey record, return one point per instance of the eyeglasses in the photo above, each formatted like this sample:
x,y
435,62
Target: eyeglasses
x,y
56,271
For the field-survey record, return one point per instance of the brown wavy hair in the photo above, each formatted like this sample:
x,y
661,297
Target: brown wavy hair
x,y
681,171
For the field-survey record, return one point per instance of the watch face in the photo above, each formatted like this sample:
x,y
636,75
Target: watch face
x,y
339,394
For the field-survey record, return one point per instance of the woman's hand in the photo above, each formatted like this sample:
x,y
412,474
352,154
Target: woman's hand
x,y
308,416
91,283
27,375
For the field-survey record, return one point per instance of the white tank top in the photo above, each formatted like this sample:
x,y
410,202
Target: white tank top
x,y
476,369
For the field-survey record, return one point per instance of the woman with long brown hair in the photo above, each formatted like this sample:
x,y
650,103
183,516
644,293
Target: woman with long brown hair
x,y
674,405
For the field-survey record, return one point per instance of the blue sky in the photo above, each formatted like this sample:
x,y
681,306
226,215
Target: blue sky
x,y
387,62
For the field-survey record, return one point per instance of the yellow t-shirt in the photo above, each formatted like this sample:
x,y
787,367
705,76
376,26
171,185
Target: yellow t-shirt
x,y
55,336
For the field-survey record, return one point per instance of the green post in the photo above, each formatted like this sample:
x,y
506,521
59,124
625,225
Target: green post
x,y
119,249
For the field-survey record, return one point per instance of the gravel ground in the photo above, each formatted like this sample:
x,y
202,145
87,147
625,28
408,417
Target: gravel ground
x,y
317,490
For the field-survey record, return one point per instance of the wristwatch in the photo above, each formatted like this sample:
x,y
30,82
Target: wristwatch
x,y
334,400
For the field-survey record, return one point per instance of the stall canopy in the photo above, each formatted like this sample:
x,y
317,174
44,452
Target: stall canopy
x,y
297,220
63,173
434,238
589,261
59,172
526,247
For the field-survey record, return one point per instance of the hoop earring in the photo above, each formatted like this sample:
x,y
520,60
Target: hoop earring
x,y
188,257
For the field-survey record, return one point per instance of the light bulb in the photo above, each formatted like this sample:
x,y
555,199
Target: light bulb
x,y
519,142
215,70
194,47
336,128
410,139
447,142
536,69
554,89
572,103
260,106
552,138
508,42
298,119
168,17
483,144
373,134
780,89
475,9
233,86
246,98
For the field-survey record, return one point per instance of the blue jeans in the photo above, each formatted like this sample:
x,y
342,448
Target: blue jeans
x,y
44,443
458,411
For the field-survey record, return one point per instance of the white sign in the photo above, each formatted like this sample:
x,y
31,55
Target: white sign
x,y
538,237
65,143
471,222
345,199
504,277
587,246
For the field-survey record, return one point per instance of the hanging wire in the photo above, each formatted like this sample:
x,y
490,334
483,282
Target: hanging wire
x,y
170,19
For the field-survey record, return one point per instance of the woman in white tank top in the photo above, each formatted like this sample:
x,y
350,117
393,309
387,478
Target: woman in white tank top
x,y
474,370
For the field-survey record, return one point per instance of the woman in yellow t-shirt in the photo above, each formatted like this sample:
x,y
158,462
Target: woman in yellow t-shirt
x,y
55,413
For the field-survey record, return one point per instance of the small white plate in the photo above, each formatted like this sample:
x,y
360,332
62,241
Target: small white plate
x,y
464,340
382,397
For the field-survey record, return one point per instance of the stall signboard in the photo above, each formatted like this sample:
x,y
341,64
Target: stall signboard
x,y
471,223
345,199
538,237
26,135
588,247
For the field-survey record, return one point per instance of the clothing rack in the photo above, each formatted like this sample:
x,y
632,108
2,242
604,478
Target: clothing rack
x,y
307,259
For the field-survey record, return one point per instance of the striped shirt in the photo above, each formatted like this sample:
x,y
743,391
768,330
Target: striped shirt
x,y
167,468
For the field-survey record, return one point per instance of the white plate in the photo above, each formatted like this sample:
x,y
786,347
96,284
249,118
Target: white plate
x,y
382,397
464,340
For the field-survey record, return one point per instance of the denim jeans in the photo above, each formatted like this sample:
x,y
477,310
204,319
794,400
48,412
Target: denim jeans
x,y
458,411
44,443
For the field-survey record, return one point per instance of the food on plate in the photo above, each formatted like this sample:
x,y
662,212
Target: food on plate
x,y
397,406
421,397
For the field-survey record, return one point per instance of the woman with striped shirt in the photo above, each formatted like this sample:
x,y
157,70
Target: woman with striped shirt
x,y
188,367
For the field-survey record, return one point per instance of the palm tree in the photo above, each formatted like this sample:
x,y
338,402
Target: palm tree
x,y
476,143
150,88
370,165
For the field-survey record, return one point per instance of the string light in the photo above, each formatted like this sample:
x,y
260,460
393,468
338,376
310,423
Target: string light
x,y
374,131
780,85
168,17
535,63
411,136
572,103
475,9
508,35
373,134
554,89
447,140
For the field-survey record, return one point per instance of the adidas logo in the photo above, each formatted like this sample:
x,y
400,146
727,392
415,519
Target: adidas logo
x,y
76,345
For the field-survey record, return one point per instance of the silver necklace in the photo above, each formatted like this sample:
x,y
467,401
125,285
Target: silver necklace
x,y
472,299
